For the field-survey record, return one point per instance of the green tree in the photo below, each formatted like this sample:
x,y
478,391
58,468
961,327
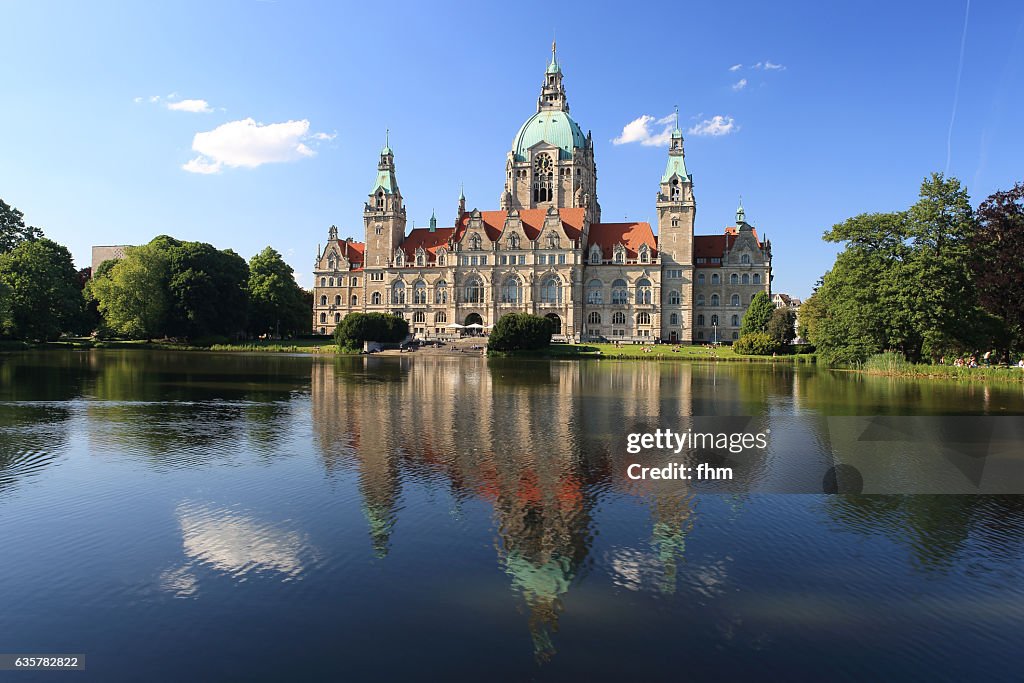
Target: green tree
x,y
132,294
13,230
781,326
43,298
998,263
357,328
520,331
276,303
758,314
207,290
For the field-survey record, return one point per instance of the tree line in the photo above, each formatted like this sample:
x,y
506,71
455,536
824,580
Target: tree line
x,y
168,288
937,279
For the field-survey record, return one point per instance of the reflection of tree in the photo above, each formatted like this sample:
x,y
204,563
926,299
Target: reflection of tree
x,y
935,528
673,522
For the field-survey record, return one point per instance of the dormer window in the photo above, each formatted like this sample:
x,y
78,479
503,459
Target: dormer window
x,y
645,254
595,254
619,255
474,242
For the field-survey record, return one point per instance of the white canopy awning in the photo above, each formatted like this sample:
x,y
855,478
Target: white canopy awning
x,y
474,326
455,326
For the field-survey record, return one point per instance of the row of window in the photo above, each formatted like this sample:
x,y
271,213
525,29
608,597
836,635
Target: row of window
x,y
329,281
734,300
619,318
734,321
734,279
619,254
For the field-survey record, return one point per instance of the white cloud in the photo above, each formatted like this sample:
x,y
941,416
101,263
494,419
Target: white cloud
x,y
735,67
137,100
248,144
324,136
769,66
154,99
640,130
715,126
740,84
194,106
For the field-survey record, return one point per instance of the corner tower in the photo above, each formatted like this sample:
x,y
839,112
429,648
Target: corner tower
x,y
384,214
551,163
676,206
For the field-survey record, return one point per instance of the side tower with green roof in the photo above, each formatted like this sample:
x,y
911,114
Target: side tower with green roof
x,y
384,214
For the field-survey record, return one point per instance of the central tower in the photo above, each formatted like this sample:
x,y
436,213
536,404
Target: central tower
x,y
551,162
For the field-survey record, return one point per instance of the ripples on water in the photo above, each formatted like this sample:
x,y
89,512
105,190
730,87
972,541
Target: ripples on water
x,y
471,516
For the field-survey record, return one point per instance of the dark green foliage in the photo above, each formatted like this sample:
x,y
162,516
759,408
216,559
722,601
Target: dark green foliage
x,y
903,282
40,293
998,264
207,290
781,326
520,332
277,305
13,230
356,328
758,314
756,344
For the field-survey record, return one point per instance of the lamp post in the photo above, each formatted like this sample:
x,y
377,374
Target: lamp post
x,y
714,326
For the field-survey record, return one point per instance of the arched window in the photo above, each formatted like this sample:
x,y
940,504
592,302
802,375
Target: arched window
x,y
441,292
619,255
595,292
645,254
757,278
735,335
595,254
330,282
419,292
513,241
323,330
618,318
375,299
673,319
735,321
700,299
354,282
734,279
323,300
441,257
700,278
337,299
419,259
714,320
676,192
323,317
643,291
551,291
620,295
474,291
594,318
714,300
398,293
700,319
380,199
734,300
419,317
474,242
673,297
715,279
440,318
355,300
643,318
745,259
552,240
746,279
323,282
512,290
337,318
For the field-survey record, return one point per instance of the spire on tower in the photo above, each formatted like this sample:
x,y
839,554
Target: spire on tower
x,y
741,215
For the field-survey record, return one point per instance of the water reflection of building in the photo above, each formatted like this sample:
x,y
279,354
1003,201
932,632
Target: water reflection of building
x,y
540,442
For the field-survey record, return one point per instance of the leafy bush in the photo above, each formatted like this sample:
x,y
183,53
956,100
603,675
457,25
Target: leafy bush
x,y
357,328
520,332
756,344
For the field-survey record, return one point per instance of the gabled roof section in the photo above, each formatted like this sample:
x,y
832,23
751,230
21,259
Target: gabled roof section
x,y
351,250
630,235
429,240
714,246
533,223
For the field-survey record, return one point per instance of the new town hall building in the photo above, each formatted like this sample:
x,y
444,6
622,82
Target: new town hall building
x,y
547,252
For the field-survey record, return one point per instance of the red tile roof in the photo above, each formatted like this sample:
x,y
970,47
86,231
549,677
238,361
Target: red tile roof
x,y
353,251
533,222
430,241
630,235
714,246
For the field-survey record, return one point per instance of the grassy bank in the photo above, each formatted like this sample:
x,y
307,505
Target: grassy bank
x,y
256,346
891,364
659,352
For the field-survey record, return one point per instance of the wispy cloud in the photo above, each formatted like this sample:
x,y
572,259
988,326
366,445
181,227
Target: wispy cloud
x,y
645,130
739,85
769,66
194,106
715,126
248,144
735,67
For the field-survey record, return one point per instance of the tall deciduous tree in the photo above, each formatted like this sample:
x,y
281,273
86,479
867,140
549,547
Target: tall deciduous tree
x,y
13,230
206,290
43,298
781,326
998,263
758,314
276,302
132,295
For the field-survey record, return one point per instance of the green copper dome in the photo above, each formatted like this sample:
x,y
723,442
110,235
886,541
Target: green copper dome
x,y
554,127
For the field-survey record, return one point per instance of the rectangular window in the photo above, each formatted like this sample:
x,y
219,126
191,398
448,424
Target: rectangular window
x,y
522,259
483,260
561,258
465,260
377,277
504,260
472,261
674,274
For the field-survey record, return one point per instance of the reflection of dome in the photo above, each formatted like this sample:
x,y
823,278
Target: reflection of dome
x,y
554,127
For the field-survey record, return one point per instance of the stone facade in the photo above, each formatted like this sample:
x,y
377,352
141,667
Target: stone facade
x,y
547,252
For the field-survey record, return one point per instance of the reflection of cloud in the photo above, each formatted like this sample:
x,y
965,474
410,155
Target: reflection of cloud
x,y
234,543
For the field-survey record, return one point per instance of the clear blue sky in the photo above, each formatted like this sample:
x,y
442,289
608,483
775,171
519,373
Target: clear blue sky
x,y
102,103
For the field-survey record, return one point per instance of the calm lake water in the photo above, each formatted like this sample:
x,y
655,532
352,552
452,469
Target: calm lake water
x,y
272,517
